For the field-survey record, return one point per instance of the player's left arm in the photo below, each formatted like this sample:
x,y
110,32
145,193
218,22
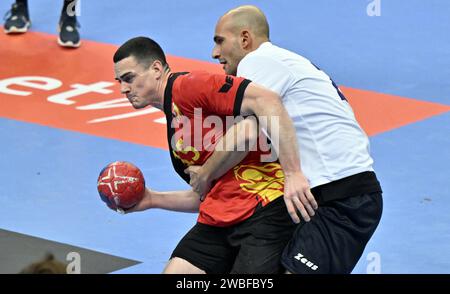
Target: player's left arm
x,y
182,201
273,117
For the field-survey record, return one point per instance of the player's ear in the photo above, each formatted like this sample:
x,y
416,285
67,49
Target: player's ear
x,y
246,39
157,68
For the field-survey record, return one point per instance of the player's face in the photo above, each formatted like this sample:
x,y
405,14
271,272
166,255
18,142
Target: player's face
x,y
136,82
227,48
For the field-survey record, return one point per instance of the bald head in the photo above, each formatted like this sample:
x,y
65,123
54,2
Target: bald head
x,y
239,32
247,17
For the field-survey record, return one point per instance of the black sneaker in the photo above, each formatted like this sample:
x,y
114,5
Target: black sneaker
x,y
17,19
68,31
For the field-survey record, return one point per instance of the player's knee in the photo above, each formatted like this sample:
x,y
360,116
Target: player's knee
x,y
177,265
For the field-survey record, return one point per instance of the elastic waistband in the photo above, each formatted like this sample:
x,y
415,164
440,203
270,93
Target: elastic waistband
x,y
362,183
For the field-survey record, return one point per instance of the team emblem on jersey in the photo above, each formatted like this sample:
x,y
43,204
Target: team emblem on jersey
x,y
228,85
187,154
266,181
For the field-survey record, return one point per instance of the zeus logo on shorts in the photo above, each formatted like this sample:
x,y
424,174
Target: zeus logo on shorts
x,y
306,262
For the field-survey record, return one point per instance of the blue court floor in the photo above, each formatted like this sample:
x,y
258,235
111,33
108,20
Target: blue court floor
x,y
49,175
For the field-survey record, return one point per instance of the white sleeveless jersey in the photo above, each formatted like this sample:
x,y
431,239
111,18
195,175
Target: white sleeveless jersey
x,y
332,144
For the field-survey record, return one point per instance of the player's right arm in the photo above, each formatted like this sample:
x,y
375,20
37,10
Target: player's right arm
x,y
227,95
183,201
267,104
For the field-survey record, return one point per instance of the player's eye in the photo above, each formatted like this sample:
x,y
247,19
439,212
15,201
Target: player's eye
x,y
218,40
128,79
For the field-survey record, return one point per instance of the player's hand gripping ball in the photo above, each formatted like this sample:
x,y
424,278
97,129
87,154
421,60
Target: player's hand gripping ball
x,y
121,185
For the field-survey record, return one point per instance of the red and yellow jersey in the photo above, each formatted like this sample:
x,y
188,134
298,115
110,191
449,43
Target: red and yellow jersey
x,y
197,106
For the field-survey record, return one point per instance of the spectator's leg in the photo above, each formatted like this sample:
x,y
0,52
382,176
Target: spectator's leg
x,y
68,25
18,20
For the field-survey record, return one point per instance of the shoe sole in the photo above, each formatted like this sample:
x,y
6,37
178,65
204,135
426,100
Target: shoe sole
x,y
69,44
16,30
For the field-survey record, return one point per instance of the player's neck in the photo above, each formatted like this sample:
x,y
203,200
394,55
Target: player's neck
x,y
161,89
258,43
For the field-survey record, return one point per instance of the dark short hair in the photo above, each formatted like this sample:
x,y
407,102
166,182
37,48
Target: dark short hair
x,y
48,265
144,49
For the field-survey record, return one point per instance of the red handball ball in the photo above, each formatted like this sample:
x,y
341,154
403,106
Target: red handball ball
x,y
121,185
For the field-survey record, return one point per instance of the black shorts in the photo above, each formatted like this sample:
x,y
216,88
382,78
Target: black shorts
x,y
335,238
252,246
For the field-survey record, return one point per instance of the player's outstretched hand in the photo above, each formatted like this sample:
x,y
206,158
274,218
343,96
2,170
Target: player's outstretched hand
x,y
144,204
298,196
